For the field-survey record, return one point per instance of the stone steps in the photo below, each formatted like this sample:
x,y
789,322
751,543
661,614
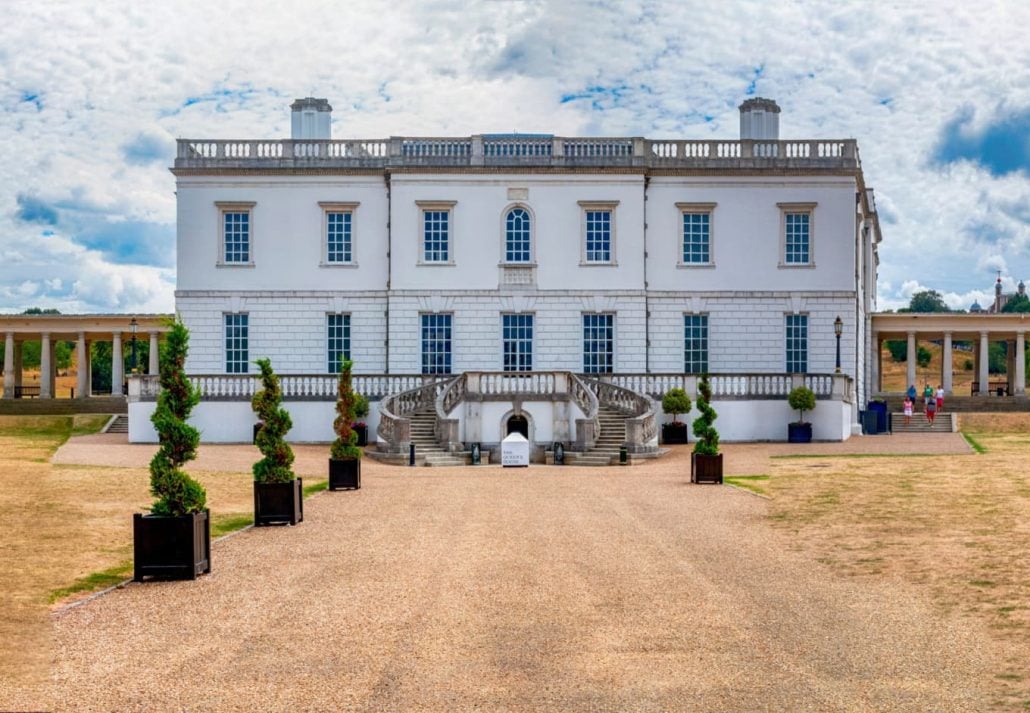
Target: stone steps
x,y
944,423
120,424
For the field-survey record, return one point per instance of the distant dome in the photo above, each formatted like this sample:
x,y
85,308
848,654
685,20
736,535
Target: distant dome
x,y
975,307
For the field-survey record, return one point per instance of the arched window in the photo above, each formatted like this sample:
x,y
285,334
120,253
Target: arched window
x,y
517,236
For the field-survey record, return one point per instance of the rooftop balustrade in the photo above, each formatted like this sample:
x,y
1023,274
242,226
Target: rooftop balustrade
x,y
514,150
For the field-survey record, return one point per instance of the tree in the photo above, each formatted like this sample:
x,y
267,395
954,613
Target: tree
x,y
801,399
175,492
674,402
707,437
275,423
345,446
1017,304
927,301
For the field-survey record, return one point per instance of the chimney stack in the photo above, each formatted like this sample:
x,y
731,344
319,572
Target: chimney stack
x,y
760,120
311,119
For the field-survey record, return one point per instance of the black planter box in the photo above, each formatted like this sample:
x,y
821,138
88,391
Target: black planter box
x,y
799,433
706,469
362,431
344,473
279,503
674,433
171,547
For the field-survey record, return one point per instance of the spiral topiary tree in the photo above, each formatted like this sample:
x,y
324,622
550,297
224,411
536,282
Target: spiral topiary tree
x,y
345,445
278,456
707,437
175,492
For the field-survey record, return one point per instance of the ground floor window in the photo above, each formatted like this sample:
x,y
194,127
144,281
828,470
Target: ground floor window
x,y
598,343
436,343
797,343
337,341
237,344
695,343
517,337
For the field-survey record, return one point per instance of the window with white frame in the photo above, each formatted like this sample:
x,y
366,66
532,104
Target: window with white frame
x,y
337,329
598,343
436,343
696,234
517,236
338,233
235,236
797,343
797,228
695,343
598,232
437,227
237,343
517,340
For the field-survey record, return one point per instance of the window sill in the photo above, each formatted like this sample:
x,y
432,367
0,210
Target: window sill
x,y
517,264
337,264
234,264
585,263
795,265
441,263
695,265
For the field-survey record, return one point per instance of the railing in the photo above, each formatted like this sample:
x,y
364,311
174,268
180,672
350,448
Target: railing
x,y
515,150
395,412
295,387
739,386
640,411
588,428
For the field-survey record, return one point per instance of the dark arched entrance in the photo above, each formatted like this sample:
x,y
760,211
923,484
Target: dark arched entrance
x,y
518,424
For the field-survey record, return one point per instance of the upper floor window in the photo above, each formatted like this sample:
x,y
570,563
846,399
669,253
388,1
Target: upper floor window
x,y
598,232
436,343
338,233
695,343
235,236
797,343
517,237
598,343
337,341
797,226
237,343
696,234
517,340
437,226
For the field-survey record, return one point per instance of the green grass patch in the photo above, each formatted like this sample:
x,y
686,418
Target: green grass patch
x,y
800,456
224,524
753,483
973,443
310,490
89,423
981,582
94,582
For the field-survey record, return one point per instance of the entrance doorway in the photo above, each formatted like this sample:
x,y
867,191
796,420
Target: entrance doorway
x,y
518,424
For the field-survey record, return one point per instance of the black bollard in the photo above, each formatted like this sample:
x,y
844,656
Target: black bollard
x,y
411,454
623,455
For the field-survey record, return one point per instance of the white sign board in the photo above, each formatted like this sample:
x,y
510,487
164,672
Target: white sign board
x,y
515,451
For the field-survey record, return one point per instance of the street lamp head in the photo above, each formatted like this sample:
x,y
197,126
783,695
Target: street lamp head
x,y
838,326
134,325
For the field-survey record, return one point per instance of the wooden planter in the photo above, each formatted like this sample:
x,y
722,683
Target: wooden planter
x,y
362,431
799,433
674,433
705,469
279,503
344,474
171,547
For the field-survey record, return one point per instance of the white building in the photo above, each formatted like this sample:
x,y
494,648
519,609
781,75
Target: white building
x,y
646,260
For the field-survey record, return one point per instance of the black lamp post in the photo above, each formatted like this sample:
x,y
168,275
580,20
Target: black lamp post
x,y
838,328
134,325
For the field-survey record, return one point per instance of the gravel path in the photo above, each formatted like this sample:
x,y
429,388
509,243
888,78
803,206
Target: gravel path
x,y
520,589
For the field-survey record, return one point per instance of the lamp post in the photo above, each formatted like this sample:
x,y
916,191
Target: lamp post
x,y
838,328
134,325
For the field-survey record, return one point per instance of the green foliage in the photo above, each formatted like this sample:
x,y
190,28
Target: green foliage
x,y
967,365
175,492
707,437
997,362
675,402
1017,303
927,301
346,444
801,399
100,362
276,423
898,349
923,356
360,406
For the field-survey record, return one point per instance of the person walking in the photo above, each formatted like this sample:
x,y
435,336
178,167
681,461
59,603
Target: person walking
x,y
928,396
907,406
931,410
911,393
940,398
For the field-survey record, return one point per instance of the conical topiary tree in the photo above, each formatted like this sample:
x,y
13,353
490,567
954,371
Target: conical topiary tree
x,y
278,456
175,492
707,437
345,445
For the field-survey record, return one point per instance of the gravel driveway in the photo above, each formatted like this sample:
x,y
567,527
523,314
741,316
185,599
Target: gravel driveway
x,y
519,589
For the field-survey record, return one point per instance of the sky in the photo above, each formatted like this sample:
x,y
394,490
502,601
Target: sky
x,y
93,95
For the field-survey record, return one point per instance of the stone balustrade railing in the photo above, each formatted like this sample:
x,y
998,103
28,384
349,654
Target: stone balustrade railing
x,y
740,386
296,387
640,410
514,150
396,410
588,428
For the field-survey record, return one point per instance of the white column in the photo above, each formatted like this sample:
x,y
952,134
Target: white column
x,y
53,369
984,372
910,362
117,365
17,364
946,365
152,366
874,366
1020,387
9,366
46,366
1010,365
82,367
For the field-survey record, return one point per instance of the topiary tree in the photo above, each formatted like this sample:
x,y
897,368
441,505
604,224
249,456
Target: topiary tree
x,y
345,445
675,402
175,492
278,456
801,399
707,437
360,407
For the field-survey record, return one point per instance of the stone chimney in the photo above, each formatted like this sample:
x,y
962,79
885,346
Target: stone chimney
x,y
760,120
311,119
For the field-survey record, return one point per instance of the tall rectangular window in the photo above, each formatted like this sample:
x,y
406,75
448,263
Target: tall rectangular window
x,y
797,343
598,343
436,235
436,344
797,238
696,238
338,236
517,337
237,344
236,235
337,341
695,343
599,236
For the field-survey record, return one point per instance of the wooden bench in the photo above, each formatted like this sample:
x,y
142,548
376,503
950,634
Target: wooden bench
x,y
26,392
1000,388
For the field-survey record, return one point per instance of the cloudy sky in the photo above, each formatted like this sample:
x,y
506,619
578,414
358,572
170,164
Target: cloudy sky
x,y
94,93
